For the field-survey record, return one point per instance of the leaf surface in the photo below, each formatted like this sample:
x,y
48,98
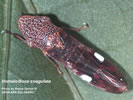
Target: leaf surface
x,y
110,33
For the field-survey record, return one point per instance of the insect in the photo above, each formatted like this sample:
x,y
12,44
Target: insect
x,y
57,45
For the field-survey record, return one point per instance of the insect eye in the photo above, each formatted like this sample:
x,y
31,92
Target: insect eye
x,y
121,79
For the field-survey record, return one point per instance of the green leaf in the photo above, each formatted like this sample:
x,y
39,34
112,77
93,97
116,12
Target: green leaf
x,y
110,32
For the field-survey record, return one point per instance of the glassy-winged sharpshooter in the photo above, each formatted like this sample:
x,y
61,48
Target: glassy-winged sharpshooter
x,y
57,45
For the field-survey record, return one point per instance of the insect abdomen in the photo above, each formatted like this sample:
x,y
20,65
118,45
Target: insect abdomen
x,y
88,65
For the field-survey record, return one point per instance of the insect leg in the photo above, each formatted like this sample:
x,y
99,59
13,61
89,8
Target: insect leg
x,y
78,29
55,64
15,35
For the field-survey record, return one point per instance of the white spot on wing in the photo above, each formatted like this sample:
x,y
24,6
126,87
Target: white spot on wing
x,y
99,57
86,78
